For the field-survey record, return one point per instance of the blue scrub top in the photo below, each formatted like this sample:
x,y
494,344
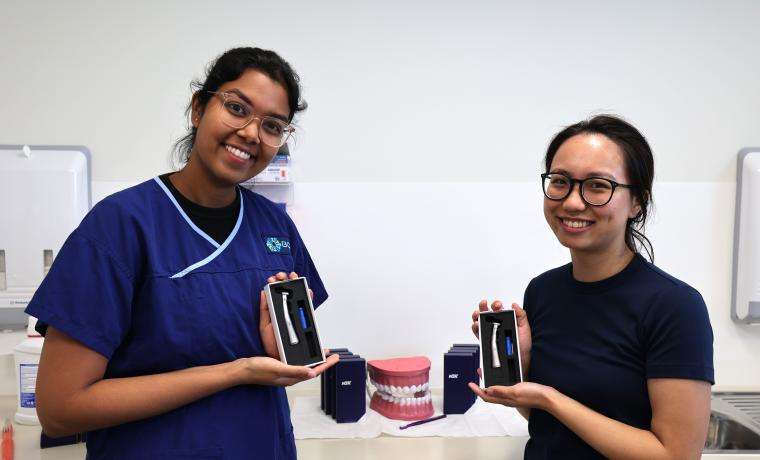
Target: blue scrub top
x,y
600,342
140,284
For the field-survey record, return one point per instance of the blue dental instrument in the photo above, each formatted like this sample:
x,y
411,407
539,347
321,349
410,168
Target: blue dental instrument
x,y
302,315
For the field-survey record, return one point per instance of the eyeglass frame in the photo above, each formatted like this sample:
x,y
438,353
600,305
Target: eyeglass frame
x,y
580,183
289,128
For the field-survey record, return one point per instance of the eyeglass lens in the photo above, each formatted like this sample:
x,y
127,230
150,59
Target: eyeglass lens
x,y
238,114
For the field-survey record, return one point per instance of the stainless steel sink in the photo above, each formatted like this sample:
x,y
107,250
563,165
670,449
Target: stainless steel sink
x,y
734,423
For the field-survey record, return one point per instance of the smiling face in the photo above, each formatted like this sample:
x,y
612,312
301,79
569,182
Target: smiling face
x,y
577,225
227,155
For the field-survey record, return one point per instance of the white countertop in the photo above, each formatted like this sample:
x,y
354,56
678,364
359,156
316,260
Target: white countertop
x,y
27,446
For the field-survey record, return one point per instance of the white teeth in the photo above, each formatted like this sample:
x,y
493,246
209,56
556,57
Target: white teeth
x,y
576,223
405,401
403,395
237,152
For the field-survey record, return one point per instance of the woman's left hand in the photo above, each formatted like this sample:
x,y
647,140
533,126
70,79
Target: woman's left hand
x,y
522,395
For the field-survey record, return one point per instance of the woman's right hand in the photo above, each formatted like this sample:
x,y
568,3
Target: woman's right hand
x,y
262,370
523,327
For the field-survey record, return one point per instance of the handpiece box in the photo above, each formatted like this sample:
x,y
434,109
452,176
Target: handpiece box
x,y
499,348
328,380
348,399
459,368
294,322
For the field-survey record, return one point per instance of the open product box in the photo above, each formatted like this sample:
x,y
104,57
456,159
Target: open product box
x,y
499,348
295,327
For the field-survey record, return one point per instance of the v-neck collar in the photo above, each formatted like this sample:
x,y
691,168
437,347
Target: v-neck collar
x,y
219,247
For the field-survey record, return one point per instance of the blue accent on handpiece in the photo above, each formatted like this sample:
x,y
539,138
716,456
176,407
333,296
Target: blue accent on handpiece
x,y
509,346
302,315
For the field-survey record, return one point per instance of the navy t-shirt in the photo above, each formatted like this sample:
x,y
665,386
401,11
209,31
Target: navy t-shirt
x,y
599,342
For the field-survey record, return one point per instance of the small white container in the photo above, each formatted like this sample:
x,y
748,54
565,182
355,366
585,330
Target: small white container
x,y
27,358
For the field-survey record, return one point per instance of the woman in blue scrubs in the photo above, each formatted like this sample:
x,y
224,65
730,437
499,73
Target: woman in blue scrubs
x,y
617,353
157,334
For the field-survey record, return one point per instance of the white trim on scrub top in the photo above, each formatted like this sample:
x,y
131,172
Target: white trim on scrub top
x,y
219,248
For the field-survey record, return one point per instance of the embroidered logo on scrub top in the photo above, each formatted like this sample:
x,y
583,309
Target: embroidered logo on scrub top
x,y
277,245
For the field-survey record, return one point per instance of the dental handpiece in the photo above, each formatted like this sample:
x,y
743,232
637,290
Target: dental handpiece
x,y
288,322
495,362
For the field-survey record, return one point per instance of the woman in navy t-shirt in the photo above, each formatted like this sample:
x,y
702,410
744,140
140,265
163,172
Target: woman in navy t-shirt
x,y
617,353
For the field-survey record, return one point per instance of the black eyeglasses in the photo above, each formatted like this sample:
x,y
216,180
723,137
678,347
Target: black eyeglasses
x,y
594,191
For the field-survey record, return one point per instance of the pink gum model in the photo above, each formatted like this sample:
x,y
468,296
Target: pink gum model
x,y
402,387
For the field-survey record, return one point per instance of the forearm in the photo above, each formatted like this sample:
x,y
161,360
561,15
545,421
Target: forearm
x,y
609,437
110,402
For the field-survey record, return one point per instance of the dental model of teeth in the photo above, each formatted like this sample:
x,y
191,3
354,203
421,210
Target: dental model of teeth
x,y
402,387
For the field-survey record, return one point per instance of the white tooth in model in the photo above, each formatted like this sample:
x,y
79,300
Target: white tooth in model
x,y
288,323
495,363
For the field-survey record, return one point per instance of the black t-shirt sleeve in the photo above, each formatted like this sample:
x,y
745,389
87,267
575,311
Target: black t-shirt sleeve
x,y
678,336
529,300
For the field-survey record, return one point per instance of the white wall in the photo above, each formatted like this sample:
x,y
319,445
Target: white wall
x,y
406,263
394,86
412,220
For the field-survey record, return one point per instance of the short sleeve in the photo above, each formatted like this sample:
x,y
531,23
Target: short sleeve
x,y
87,295
679,337
304,266
529,298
